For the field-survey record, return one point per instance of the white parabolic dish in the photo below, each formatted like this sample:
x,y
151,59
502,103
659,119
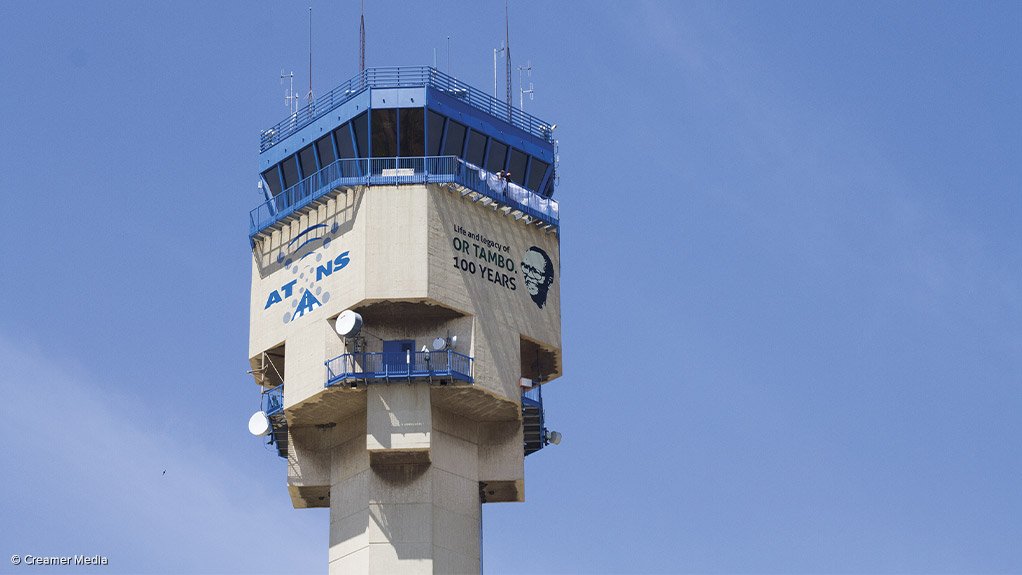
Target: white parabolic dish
x,y
259,424
348,324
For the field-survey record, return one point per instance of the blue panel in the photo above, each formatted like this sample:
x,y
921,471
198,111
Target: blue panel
x,y
397,354
398,97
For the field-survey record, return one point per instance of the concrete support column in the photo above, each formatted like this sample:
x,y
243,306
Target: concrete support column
x,y
405,497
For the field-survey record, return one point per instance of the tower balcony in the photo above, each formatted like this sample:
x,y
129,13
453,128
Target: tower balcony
x,y
438,366
468,179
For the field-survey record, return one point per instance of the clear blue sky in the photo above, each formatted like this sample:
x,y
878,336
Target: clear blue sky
x,y
791,281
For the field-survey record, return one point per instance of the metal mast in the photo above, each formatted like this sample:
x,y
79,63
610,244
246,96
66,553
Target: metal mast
x,y
362,40
507,55
310,56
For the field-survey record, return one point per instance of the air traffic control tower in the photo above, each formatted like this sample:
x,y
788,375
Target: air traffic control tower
x,y
405,312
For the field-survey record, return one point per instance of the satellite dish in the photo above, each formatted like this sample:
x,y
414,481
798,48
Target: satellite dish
x,y
439,344
452,341
348,324
554,437
259,424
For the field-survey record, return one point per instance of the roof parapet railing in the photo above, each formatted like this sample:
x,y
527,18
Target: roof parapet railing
x,y
403,77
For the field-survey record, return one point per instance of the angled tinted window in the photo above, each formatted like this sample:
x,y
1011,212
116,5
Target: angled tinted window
x,y
344,146
495,159
272,178
455,141
290,167
476,148
516,165
361,126
537,169
325,147
411,144
549,192
308,160
384,133
435,132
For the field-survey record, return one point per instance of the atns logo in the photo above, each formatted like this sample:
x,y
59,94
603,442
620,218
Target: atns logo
x,y
309,269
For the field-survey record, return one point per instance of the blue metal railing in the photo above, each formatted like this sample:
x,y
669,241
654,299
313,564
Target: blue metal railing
x,y
399,366
403,77
273,400
392,171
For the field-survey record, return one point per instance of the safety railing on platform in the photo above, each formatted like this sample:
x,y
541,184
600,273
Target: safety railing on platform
x,y
273,400
393,171
399,366
403,77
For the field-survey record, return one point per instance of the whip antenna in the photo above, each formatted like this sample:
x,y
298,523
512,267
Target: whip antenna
x,y
362,40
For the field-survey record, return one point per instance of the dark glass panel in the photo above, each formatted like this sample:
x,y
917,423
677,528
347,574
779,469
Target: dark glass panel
x,y
344,146
307,158
537,170
325,147
495,159
361,127
476,148
435,132
455,141
516,165
272,177
384,133
290,167
411,144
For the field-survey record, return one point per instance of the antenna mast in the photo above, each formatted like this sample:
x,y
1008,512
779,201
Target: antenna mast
x,y
310,96
495,52
521,85
362,40
507,58
290,98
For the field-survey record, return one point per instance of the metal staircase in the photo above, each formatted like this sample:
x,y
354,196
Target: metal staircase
x,y
534,432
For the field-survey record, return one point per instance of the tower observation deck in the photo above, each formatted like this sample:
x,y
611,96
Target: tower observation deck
x,y
405,312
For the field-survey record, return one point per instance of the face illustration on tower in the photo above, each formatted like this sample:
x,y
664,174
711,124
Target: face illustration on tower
x,y
538,269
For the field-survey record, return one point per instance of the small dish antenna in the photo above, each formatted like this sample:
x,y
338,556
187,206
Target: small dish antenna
x,y
259,424
442,343
348,324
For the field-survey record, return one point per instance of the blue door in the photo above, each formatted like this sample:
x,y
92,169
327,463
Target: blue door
x,y
398,355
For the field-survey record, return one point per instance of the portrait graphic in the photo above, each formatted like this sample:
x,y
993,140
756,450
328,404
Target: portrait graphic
x,y
538,269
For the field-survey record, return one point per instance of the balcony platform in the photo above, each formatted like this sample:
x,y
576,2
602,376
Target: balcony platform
x,y
469,180
368,367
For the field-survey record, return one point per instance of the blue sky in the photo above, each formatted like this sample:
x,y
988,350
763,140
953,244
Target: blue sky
x,y
791,281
